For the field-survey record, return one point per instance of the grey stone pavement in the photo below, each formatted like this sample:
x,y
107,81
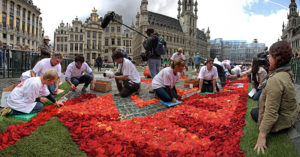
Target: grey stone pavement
x,y
129,110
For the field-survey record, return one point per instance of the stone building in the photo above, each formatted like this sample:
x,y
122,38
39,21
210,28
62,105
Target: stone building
x,y
20,24
127,41
89,39
237,51
181,32
291,30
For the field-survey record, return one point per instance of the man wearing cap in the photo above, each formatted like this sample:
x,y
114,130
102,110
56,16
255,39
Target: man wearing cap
x,y
45,48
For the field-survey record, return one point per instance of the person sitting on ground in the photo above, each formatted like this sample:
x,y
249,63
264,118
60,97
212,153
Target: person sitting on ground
x,y
127,74
258,76
278,107
164,82
74,74
25,99
208,75
46,64
178,55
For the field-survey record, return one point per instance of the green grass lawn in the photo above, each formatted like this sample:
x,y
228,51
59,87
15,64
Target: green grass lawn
x,y
279,144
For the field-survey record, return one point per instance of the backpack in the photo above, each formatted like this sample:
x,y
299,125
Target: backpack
x,y
161,47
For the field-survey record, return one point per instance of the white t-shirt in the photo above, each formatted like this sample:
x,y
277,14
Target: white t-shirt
x,y
44,65
25,75
208,75
22,98
165,78
176,56
73,71
236,70
128,69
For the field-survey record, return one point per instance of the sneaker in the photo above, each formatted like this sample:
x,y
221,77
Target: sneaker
x,y
84,91
5,111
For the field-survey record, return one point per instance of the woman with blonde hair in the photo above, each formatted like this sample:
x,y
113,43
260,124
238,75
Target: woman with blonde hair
x,y
164,82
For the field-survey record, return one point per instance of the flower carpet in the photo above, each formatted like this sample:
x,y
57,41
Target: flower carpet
x,y
204,125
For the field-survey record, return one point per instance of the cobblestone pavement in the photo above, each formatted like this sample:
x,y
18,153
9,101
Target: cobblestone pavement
x,y
126,106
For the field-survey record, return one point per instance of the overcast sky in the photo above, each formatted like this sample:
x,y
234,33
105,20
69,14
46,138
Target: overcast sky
x,y
227,19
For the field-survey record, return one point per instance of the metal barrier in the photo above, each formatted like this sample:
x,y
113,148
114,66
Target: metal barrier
x,y
14,62
296,69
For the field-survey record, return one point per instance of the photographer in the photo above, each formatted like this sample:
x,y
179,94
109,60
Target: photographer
x,y
127,77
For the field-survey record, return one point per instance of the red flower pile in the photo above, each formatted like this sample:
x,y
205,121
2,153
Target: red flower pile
x,y
141,103
146,80
184,77
183,92
16,132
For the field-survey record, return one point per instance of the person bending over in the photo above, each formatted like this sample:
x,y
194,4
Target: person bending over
x,y
208,75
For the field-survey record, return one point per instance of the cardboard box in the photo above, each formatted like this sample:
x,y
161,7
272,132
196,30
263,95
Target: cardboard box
x,y
5,93
103,86
187,83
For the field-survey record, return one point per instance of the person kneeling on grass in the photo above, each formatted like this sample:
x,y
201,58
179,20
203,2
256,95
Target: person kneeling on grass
x,y
74,74
24,99
127,77
208,75
164,82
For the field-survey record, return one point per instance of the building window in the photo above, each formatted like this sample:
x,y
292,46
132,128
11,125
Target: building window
x,y
18,10
88,34
94,44
99,45
93,55
4,36
66,48
94,34
126,35
107,29
76,37
88,56
4,17
28,22
99,35
11,21
106,41
88,44
58,39
106,50
12,8
12,38
71,47
118,29
76,29
76,46
66,39
119,42
112,29
81,37
80,47
4,4
113,41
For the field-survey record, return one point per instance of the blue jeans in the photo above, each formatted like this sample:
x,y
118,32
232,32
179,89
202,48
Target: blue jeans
x,y
86,79
37,108
257,95
163,94
51,88
154,65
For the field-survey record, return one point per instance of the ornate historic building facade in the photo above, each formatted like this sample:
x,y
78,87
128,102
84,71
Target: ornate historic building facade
x,y
291,31
20,24
181,32
90,40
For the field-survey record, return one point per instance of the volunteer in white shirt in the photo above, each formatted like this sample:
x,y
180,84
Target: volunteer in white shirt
x,y
178,55
75,74
46,64
164,82
208,75
127,74
24,99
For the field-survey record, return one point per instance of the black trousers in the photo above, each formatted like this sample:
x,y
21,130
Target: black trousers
x,y
208,86
126,88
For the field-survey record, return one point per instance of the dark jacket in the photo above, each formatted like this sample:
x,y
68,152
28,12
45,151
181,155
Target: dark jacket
x,y
99,61
278,105
45,51
151,44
